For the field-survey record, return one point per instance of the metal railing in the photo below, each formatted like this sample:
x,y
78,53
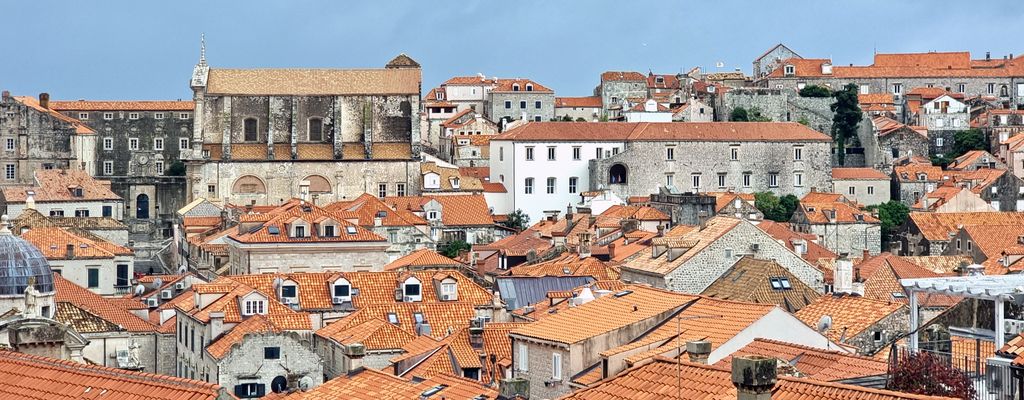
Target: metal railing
x,y
992,379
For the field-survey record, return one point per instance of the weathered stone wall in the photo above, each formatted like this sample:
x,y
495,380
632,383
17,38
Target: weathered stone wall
x,y
1005,193
901,143
889,327
941,141
613,93
781,106
848,238
868,192
41,141
242,362
498,110
973,86
304,259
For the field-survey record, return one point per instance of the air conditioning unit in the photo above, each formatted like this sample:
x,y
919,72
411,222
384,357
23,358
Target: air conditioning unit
x,y
179,286
165,294
152,302
1013,326
338,300
288,300
408,299
447,297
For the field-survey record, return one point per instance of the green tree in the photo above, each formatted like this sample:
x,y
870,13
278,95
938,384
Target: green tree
x,y
177,168
815,91
847,117
804,121
892,214
940,161
453,248
739,114
517,220
566,118
581,119
604,118
775,208
971,139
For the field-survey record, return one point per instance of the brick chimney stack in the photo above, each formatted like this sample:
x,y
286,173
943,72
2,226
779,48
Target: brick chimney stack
x,y
70,251
699,351
754,377
44,100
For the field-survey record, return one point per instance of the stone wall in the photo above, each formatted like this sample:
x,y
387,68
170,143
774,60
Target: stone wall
x,y
302,259
40,141
613,93
849,238
539,359
242,361
781,105
890,327
497,109
973,86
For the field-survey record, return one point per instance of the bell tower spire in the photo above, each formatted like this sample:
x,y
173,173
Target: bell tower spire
x,y
202,48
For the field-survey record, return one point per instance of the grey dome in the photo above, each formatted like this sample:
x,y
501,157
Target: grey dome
x,y
20,260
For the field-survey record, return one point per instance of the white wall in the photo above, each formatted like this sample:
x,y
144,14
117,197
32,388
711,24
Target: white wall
x,y
77,271
639,116
777,325
95,208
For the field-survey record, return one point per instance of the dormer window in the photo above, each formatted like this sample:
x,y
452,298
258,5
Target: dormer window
x,y
789,70
432,215
328,231
449,289
529,87
439,95
76,192
659,79
299,231
515,87
922,177
341,291
412,290
351,230
455,183
254,307
289,291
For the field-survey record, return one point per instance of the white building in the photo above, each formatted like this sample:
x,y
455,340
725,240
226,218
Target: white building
x,y
547,169
64,193
649,111
87,260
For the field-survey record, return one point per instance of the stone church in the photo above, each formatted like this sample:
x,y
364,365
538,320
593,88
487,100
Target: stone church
x,y
262,136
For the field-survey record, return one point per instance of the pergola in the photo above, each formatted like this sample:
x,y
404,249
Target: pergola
x,y
997,288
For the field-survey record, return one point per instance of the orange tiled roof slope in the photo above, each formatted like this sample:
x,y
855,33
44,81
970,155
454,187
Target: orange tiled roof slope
x,y
813,363
858,174
366,208
229,292
694,240
782,231
255,324
634,303
938,226
1014,348
508,85
751,280
443,318
898,65
41,378
668,379
622,76
422,258
76,296
663,131
639,213
586,102
298,81
851,314
295,211
835,212
53,242
456,210
569,265
55,185
122,105
80,128
371,384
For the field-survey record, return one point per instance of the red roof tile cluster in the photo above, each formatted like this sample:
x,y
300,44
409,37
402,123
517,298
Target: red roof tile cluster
x,y
32,102
456,210
524,85
53,242
834,212
122,105
932,64
99,306
422,258
371,384
366,208
609,76
443,318
663,131
813,363
60,185
858,174
939,226
851,315
579,102
275,229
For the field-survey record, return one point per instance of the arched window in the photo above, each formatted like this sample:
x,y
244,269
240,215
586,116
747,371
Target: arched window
x,y
251,126
1003,91
318,184
249,185
316,129
617,174
515,87
142,206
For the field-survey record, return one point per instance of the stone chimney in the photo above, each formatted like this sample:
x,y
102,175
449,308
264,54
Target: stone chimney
x,y
355,353
754,377
699,350
611,250
70,255
216,323
44,100
843,282
514,388
30,201
661,230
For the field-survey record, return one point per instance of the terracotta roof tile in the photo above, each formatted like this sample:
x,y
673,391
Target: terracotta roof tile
x,y
444,318
571,265
456,210
695,240
622,76
40,378
851,315
813,363
371,384
310,213
938,226
666,131
56,185
53,242
750,280
585,102
81,298
366,208
782,231
389,81
834,212
252,325
508,85
80,127
422,258
858,173
122,105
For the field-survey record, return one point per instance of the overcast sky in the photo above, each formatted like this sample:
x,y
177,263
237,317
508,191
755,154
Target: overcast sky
x,y
145,50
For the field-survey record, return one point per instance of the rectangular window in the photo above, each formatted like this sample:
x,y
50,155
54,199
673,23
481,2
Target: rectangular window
x,y
670,180
158,115
508,104
865,89
82,213
961,88
537,118
551,153
94,278
182,143
615,150
897,89
939,141
576,152
773,179
536,105
734,153
83,116
556,366
573,181
382,190
108,168
501,154
159,167
56,213
721,180
551,185
108,143
522,104
523,357
271,353
746,179
600,153
852,190
10,144
695,178
328,230
133,143
108,211
10,172
528,186
158,143
183,115
798,153
529,154
133,115
670,153
211,189
400,189
798,179
871,190
108,115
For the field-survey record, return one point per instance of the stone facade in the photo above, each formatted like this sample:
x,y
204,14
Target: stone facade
x,y
849,238
33,137
284,258
972,86
617,87
881,333
540,358
771,59
246,364
781,105
531,106
1006,193
759,166
868,192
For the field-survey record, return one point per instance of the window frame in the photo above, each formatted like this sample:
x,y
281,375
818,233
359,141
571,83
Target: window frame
x,y
551,185
158,144
528,185
573,184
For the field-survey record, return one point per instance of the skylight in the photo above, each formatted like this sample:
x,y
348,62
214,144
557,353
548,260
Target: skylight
x,y
351,230
780,283
393,318
273,230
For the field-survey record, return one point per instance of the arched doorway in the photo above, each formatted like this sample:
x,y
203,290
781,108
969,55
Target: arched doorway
x,y
142,206
617,174
279,384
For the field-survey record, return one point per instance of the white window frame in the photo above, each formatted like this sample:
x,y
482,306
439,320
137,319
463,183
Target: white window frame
x,y
670,180
184,115
83,115
133,143
576,152
798,153
158,115
798,179
522,357
134,115
695,181
10,172
158,143
528,186
746,179
573,184
183,143
556,366
159,167
734,153
552,153
552,185
722,177
773,180
108,143
108,116
11,144
670,153
529,153
108,168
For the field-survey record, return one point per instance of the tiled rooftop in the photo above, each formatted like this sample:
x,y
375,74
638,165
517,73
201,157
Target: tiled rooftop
x,y
761,281
813,363
851,315
57,185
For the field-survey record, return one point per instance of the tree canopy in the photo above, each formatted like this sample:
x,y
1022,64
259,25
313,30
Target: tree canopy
x,y
815,91
892,214
453,248
775,208
846,119
740,114
517,220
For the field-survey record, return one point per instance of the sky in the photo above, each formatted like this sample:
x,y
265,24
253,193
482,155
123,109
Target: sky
x,y
136,50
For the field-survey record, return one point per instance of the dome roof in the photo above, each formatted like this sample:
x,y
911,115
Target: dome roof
x,y
20,260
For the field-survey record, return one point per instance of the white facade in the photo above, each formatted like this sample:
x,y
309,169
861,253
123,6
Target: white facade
x,y
103,270
510,166
93,208
777,325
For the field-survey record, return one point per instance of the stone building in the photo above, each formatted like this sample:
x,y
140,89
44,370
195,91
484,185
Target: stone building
x,y
929,234
941,113
693,111
914,179
885,141
771,59
866,186
139,147
454,217
63,193
405,231
35,137
587,108
469,125
784,158
616,88
781,105
839,226
898,73
89,261
520,99
864,324
259,133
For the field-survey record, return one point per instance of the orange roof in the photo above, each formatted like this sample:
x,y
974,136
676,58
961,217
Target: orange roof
x,y
422,258
636,303
456,210
508,85
41,378
875,98
80,128
99,306
640,107
640,213
56,185
811,362
993,239
122,105
750,280
53,242
858,174
914,172
366,208
851,315
371,384
201,221
782,231
282,316
834,212
252,325
444,318
585,102
622,76
938,226
663,131
665,378
570,265
693,240
932,64
311,214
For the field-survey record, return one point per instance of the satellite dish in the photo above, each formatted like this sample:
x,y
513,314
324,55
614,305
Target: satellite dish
x,y
305,383
182,270
158,283
139,290
825,323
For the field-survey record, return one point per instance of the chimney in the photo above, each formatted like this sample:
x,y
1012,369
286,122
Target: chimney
x,y
754,377
699,350
44,100
70,251
702,219
988,56
355,352
661,230
216,323
513,388
843,275
866,255
6,94
611,250
30,201
568,213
